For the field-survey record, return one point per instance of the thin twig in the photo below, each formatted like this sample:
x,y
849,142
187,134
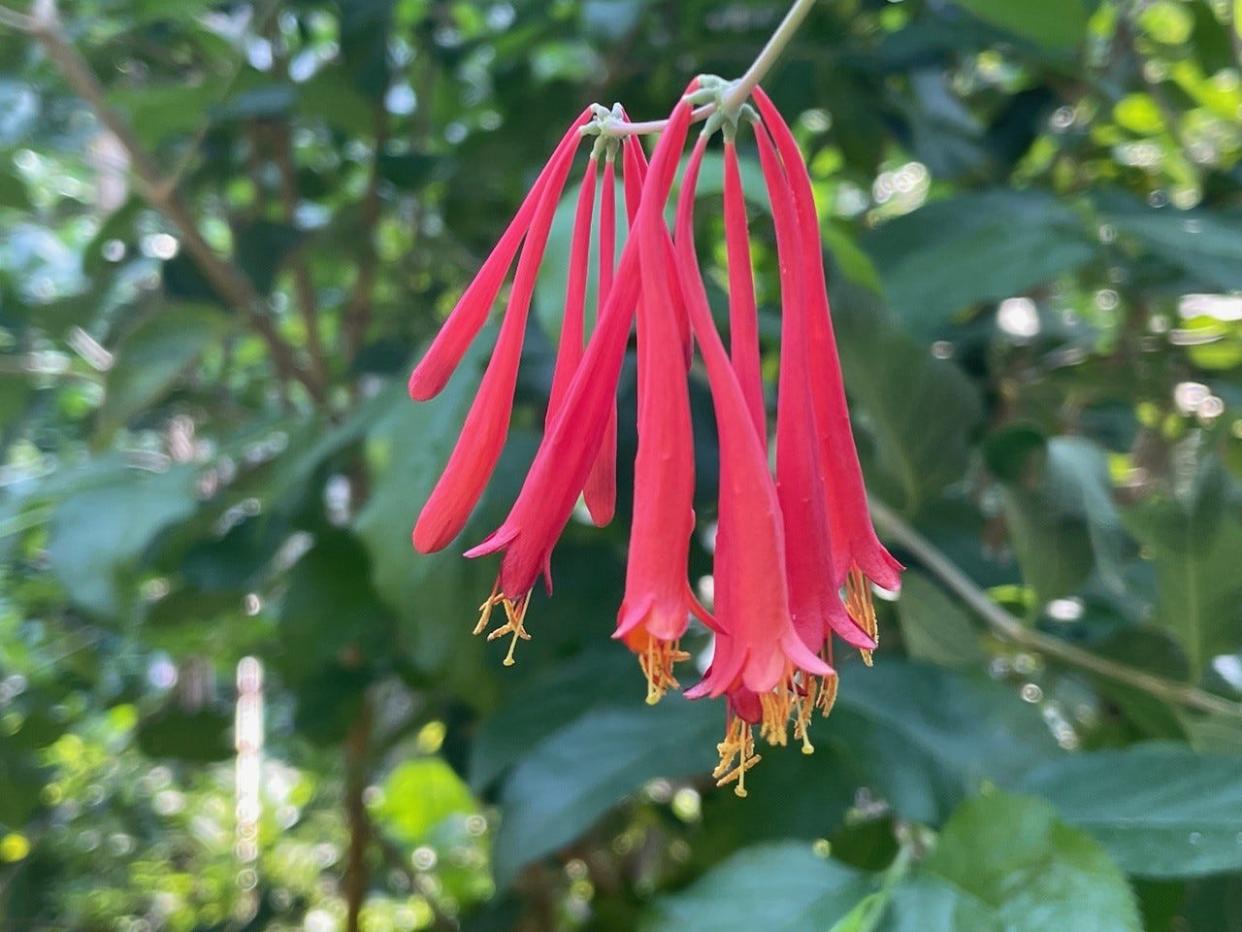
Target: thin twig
x,y
227,279
895,528
357,756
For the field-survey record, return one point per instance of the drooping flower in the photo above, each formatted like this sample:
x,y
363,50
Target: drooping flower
x,y
759,650
658,602
470,314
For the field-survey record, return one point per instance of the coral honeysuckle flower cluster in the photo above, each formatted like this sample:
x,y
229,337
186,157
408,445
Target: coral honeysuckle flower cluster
x,y
795,550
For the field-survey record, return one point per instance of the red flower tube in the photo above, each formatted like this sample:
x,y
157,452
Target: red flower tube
x,y
600,492
743,321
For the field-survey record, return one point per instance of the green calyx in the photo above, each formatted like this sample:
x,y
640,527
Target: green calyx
x,y
607,143
728,114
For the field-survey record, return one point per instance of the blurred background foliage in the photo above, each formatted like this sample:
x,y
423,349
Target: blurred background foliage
x,y
226,228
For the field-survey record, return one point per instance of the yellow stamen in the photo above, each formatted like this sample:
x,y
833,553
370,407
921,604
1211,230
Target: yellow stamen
x,y
657,660
861,608
804,705
739,745
515,624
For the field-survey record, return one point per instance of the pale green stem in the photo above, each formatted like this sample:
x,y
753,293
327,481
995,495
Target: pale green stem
x,y
739,91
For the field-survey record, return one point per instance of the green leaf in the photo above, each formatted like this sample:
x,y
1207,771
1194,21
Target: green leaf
x,y
776,888
1058,503
927,737
200,737
152,357
983,246
330,607
22,780
919,410
420,794
1194,540
1206,244
262,247
934,627
1160,810
925,901
157,111
102,529
1058,24
1012,854
605,677
570,779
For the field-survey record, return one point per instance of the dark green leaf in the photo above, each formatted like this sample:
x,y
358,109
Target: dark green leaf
x,y
1058,24
986,246
570,779
926,737
920,410
1194,541
1160,810
777,888
934,627
152,357
1012,854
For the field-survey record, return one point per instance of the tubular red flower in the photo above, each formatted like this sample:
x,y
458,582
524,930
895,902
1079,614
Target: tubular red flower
x,y
855,542
759,647
758,651
482,437
571,445
657,605
743,321
814,594
470,314
600,492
